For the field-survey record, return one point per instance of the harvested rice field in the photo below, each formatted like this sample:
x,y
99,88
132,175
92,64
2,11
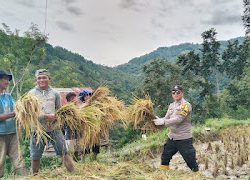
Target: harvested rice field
x,y
221,156
227,157
123,170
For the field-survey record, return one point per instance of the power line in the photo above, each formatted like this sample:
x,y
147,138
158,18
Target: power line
x,y
45,22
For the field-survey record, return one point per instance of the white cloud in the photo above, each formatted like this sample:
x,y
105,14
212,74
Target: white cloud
x,y
113,32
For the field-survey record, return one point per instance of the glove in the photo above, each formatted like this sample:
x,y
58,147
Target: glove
x,y
159,121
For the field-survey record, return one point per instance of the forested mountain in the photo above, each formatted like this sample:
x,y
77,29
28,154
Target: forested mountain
x,y
23,55
171,53
153,73
73,69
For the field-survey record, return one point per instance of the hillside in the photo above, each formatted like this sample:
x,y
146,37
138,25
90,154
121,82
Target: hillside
x,y
135,65
23,55
89,73
76,68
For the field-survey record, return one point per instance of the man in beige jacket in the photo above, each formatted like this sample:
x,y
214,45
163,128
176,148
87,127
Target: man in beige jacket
x,y
178,119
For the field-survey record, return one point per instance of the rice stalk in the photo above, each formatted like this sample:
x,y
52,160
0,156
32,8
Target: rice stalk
x,y
98,94
92,127
93,120
70,114
141,114
28,110
112,109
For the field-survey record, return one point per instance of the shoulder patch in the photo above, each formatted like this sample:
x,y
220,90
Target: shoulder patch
x,y
184,109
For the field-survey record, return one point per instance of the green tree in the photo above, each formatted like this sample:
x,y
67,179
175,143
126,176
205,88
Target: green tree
x,y
159,77
17,54
235,58
246,16
237,65
190,62
210,61
203,71
204,65
236,95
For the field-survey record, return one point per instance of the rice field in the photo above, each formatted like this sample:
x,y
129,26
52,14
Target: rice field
x,y
223,147
121,171
227,157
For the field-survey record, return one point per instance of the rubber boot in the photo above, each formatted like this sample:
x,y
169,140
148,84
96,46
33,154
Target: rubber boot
x,y
164,167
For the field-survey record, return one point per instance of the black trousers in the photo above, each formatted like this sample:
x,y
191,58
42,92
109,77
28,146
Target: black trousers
x,y
186,149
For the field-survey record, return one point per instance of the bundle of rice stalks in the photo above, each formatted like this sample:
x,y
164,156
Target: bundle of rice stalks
x,y
70,114
98,94
92,127
27,111
113,110
99,114
111,107
141,113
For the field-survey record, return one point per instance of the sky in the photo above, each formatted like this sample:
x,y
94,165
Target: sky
x,y
112,32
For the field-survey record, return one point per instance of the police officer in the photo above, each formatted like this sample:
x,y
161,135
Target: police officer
x,y
178,119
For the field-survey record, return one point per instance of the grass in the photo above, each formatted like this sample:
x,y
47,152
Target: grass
x,y
223,123
215,125
155,141
138,148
